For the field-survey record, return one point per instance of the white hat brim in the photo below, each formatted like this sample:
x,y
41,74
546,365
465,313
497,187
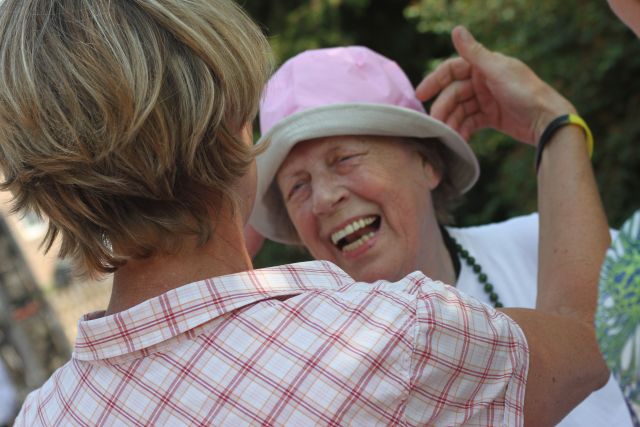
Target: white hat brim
x,y
348,119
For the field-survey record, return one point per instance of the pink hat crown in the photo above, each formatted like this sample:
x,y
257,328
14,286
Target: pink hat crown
x,y
341,75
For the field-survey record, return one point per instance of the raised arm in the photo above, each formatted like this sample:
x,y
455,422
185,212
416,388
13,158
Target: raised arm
x,y
486,89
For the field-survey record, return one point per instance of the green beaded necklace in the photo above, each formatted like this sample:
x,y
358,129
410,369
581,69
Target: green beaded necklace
x,y
482,277
453,246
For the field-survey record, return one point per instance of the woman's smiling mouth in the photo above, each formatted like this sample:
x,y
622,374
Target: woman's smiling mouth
x,y
355,234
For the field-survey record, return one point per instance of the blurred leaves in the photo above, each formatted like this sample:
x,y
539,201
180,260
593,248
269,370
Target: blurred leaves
x,y
582,50
579,47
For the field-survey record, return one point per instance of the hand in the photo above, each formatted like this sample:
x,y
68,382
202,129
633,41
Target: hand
x,y
482,89
253,240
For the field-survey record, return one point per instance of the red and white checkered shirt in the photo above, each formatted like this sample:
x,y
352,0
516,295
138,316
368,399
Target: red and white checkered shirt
x,y
296,345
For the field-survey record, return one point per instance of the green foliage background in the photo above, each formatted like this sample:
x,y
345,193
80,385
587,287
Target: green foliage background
x,y
579,47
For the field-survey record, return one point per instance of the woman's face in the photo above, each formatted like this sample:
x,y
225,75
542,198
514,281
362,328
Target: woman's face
x,y
629,12
363,203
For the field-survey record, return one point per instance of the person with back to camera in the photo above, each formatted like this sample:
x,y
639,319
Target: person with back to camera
x,y
356,171
147,170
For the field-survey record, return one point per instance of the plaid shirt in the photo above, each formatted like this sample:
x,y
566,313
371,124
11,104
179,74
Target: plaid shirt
x,y
296,345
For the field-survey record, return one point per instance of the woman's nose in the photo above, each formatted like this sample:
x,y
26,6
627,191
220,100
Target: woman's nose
x,y
327,196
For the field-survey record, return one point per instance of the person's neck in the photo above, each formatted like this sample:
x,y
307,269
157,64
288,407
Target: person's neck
x,y
442,267
452,262
141,279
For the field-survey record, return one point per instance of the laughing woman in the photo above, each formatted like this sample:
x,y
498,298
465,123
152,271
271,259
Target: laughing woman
x,y
358,173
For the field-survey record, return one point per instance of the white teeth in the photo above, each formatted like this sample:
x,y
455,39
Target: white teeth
x,y
351,228
355,245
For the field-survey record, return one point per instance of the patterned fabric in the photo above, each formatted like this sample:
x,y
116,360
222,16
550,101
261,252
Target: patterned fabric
x,y
618,315
296,345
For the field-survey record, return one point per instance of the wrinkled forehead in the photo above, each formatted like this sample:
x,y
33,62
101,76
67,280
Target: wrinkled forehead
x,y
312,151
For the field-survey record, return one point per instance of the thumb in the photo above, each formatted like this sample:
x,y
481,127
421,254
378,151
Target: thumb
x,y
472,51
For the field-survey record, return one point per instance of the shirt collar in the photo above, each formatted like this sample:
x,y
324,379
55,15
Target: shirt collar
x,y
189,306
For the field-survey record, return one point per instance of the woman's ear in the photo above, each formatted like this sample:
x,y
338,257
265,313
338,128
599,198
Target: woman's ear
x,y
433,177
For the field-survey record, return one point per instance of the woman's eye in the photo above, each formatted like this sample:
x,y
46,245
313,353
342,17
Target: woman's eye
x,y
347,157
295,188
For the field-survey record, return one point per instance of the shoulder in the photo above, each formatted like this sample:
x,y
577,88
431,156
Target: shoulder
x,y
507,251
523,227
468,354
453,346
502,247
465,317
51,401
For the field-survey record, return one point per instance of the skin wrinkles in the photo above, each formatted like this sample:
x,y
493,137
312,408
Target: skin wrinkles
x,y
330,182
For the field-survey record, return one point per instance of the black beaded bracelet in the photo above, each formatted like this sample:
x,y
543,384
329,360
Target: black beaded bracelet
x,y
557,123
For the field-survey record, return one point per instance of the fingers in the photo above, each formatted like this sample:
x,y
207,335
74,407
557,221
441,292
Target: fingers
x,y
472,51
472,54
471,124
467,118
460,107
461,113
454,94
446,73
466,87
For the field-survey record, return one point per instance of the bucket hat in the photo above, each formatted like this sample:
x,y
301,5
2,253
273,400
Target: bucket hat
x,y
341,91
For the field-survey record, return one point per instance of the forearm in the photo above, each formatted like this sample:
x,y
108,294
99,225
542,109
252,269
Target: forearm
x,y
574,233
565,364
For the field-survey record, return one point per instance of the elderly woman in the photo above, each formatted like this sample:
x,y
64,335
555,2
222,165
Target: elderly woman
x,y
357,172
147,170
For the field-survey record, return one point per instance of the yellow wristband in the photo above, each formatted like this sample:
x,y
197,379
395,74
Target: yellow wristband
x,y
557,123
576,120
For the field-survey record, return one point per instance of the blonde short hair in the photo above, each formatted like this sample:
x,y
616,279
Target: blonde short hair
x,y
118,119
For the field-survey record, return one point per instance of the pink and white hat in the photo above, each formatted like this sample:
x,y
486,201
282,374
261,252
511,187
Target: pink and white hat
x,y
341,91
